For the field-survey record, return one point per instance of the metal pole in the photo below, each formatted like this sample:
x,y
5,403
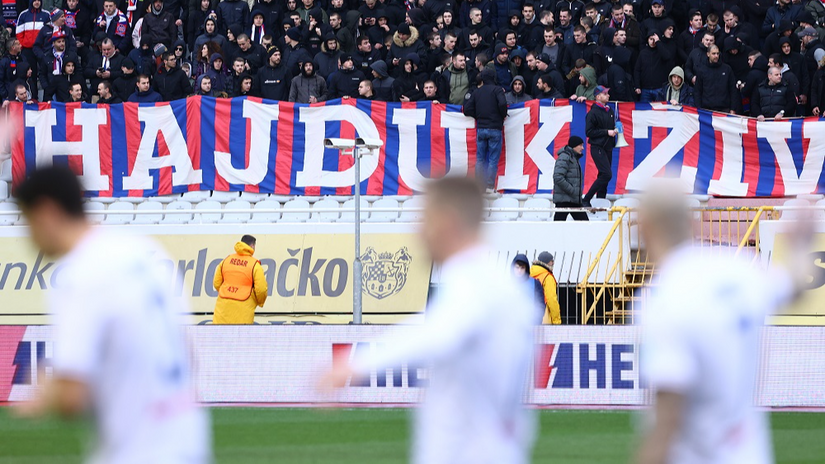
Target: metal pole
x,y
357,266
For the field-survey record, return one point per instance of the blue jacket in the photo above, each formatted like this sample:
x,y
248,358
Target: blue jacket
x,y
146,97
532,286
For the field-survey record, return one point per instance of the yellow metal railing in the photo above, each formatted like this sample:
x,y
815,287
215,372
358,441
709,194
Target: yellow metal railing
x,y
616,279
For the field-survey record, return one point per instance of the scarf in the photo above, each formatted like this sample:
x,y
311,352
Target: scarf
x,y
71,19
131,7
57,67
258,33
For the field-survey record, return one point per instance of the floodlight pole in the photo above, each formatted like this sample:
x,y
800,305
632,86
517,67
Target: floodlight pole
x,y
357,267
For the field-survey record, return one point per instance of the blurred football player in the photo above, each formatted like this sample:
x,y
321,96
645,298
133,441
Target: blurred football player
x,y
119,352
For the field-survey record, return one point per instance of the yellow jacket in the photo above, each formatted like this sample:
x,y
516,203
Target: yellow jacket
x,y
552,312
240,312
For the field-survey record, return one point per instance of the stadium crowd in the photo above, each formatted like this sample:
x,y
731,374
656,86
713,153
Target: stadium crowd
x,y
760,58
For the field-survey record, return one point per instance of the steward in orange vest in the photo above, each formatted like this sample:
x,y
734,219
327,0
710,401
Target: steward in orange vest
x,y
241,285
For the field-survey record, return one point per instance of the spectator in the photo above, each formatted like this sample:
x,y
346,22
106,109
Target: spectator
x,y
124,85
698,58
542,271
10,71
455,81
565,25
233,80
545,90
294,54
758,70
365,56
365,90
105,94
406,87
115,24
505,70
521,272
546,67
405,41
782,10
745,32
308,87
517,93
170,82
657,21
233,12
784,30
600,127
104,66
676,91
210,34
430,91
218,73
587,87
252,53
144,92
244,86
345,81
773,98
716,86
159,25
580,48
29,23
59,86
568,181
488,107
775,60
79,20
554,51
50,32
818,89
274,78
241,285
382,83
691,38
473,18
651,66
51,63
619,21
76,94
329,56
736,56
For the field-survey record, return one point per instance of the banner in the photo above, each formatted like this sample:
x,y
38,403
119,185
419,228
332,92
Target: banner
x,y
306,273
595,366
247,144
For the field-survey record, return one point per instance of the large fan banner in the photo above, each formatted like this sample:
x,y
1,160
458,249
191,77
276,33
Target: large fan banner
x,y
254,145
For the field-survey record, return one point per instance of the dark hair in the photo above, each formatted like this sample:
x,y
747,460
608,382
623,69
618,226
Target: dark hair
x,y
106,85
55,183
777,58
143,76
363,39
581,28
461,195
249,240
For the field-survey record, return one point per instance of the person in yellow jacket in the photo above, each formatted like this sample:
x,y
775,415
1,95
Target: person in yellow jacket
x,y
241,285
542,270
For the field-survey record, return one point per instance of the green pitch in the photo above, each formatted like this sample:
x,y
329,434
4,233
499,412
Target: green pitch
x,y
305,436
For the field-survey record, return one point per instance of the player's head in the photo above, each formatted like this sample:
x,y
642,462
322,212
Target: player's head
x,y
665,219
452,216
52,202
249,240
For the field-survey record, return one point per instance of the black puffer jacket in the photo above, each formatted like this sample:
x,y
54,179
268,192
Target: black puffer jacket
x,y
567,177
487,104
769,100
599,120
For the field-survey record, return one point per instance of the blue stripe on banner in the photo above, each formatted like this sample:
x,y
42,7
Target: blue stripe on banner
x,y
180,111
208,143
767,168
425,146
674,166
391,181
237,139
577,127
551,147
331,156
268,184
707,151
298,143
120,155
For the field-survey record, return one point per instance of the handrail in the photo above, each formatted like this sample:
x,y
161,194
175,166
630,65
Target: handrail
x,y
754,223
616,223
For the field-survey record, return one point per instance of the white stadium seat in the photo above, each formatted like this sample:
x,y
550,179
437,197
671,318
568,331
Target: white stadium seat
x,y
793,214
207,218
240,217
412,216
326,203
91,208
295,203
165,199
819,213
4,190
600,203
10,219
504,202
113,219
537,204
384,216
266,218
5,171
196,196
224,197
148,218
349,216
178,205
254,197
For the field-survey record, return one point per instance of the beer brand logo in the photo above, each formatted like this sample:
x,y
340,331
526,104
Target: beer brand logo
x,y
384,274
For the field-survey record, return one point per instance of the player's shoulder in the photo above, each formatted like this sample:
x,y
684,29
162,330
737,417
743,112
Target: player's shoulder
x,y
106,252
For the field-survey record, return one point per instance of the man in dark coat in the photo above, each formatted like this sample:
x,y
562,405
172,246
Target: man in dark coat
x,y
273,80
488,106
170,81
773,98
716,86
568,180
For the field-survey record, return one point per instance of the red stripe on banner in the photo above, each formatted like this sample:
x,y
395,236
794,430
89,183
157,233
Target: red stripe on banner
x,y
751,158
193,134
691,149
530,131
164,174
472,151
346,162
74,133
403,189
627,155
378,114
133,135
589,166
438,142
18,144
223,118
10,338
248,147
283,159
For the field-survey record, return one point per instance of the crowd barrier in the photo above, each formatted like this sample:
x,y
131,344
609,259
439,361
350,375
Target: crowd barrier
x,y
248,144
573,365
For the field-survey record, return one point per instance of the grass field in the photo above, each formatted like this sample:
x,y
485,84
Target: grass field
x,y
302,436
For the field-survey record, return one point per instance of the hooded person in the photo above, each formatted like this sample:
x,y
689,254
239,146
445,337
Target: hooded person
x,y
736,56
542,271
785,30
796,62
521,273
382,83
405,41
406,86
124,85
159,25
329,56
517,92
345,81
588,83
210,24
308,87
241,285
617,77
757,73
70,75
199,88
652,64
218,76
676,91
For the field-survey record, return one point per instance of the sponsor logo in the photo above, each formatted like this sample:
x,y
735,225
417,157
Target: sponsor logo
x,y
385,274
557,366
406,375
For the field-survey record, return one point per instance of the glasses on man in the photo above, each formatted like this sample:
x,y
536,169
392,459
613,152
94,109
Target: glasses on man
x,y
179,49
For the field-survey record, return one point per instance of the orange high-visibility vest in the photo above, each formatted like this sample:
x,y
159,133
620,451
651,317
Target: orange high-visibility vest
x,y
237,277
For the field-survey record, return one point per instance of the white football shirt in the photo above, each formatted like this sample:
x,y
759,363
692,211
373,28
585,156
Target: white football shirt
x,y
117,330
477,340
701,338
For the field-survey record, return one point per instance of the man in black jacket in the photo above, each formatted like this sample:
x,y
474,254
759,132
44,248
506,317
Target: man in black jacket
x,y
716,86
600,127
567,180
488,107
344,82
274,79
773,98
170,81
